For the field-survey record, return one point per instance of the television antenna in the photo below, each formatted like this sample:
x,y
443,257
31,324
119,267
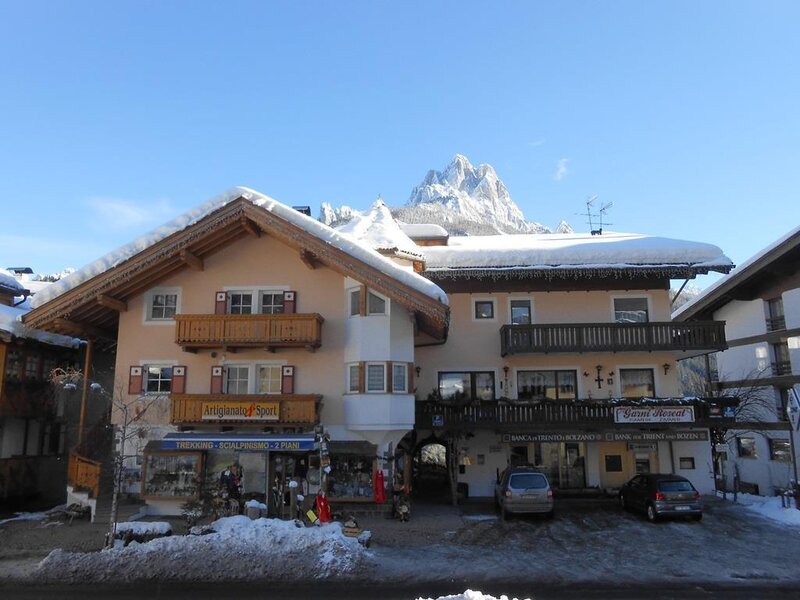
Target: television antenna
x,y
596,216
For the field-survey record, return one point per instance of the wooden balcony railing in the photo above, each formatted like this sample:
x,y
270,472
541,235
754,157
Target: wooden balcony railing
x,y
776,323
84,473
279,410
612,337
505,416
249,331
782,367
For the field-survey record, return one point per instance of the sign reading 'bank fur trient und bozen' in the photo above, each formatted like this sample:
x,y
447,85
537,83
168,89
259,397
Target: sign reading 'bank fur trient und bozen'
x,y
240,411
654,414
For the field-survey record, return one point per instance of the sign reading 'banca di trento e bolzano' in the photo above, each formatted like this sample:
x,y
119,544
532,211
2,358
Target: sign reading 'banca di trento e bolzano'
x,y
654,414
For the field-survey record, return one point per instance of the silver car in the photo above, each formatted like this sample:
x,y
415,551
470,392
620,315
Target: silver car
x,y
523,490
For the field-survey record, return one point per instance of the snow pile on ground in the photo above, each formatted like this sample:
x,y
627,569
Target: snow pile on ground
x,y
239,549
145,527
26,516
470,595
771,508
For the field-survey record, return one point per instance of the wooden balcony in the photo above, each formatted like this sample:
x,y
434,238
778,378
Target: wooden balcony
x,y
273,410
578,338
193,332
551,414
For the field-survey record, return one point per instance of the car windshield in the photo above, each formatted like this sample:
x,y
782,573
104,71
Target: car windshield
x,y
527,481
675,486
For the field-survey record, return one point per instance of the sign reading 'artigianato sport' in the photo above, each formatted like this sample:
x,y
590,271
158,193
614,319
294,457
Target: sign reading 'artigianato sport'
x,y
240,411
654,414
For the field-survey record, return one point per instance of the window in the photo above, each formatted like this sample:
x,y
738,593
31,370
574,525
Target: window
x,y
159,379
613,463
399,372
466,386
746,447
271,303
32,366
520,312
269,379
353,374
782,365
355,303
162,306
484,310
686,463
631,310
780,450
237,379
376,377
547,385
375,304
240,303
637,383
776,319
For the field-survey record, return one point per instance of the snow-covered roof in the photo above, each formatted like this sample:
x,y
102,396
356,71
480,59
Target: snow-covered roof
x,y
336,239
423,230
10,323
576,251
378,229
10,284
739,274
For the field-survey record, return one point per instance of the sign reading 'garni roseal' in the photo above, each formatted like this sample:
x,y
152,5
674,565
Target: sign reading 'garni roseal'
x,y
654,414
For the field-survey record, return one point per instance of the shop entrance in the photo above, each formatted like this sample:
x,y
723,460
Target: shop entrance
x,y
283,469
564,463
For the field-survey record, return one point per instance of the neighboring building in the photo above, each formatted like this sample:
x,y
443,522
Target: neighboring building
x,y
244,327
760,304
33,420
240,327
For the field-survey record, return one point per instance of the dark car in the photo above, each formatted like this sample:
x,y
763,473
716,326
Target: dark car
x,y
662,496
521,490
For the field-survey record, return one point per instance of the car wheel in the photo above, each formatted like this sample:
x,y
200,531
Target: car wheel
x,y
652,515
622,504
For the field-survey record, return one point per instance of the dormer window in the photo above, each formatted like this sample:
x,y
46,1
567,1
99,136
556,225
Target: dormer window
x,y
376,305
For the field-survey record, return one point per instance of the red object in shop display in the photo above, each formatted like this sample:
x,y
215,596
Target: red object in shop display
x,y
379,487
323,510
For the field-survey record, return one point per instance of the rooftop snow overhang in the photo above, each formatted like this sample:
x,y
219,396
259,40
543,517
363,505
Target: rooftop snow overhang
x,y
88,302
552,272
779,260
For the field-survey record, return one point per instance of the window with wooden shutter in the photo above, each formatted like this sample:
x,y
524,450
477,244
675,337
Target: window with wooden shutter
x,y
287,380
289,302
216,380
179,380
220,303
135,380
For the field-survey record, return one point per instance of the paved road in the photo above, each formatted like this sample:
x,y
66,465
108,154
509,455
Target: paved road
x,y
334,591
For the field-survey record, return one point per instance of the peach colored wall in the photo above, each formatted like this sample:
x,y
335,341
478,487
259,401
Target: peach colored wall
x,y
475,345
261,262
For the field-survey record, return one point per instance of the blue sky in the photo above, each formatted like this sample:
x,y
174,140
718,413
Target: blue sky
x,y
117,116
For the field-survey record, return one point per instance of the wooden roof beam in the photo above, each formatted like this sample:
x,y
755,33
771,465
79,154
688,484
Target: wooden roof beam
x,y
192,260
112,303
251,228
309,259
84,330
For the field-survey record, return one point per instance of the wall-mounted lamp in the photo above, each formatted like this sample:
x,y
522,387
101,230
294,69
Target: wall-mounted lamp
x,y
666,368
417,369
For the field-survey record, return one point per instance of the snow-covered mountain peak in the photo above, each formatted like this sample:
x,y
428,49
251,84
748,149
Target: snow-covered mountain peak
x,y
462,191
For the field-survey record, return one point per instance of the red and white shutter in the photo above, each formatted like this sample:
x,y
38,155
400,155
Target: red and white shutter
x,y
216,380
220,303
290,302
135,380
287,380
179,380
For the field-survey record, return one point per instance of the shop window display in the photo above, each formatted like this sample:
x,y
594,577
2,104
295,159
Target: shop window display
x,y
351,477
171,475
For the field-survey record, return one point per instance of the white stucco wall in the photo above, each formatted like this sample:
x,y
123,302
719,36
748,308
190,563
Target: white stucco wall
x,y
742,319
